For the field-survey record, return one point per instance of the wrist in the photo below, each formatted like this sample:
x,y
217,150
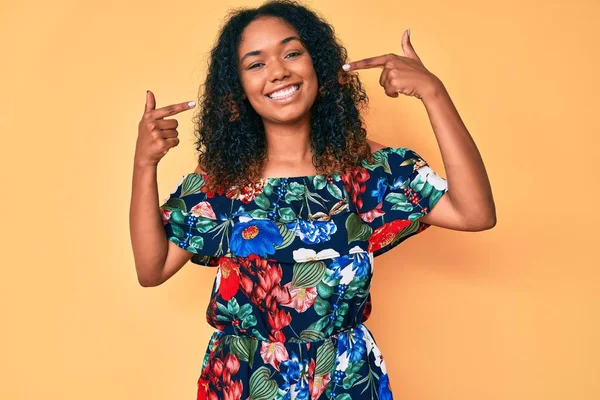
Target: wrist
x,y
144,165
435,89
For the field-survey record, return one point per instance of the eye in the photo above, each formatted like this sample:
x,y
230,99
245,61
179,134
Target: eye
x,y
297,53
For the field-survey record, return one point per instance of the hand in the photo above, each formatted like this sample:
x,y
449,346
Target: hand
x,y
401,74
155,135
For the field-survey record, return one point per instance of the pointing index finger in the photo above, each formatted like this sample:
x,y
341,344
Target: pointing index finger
x,y
173,109
371,62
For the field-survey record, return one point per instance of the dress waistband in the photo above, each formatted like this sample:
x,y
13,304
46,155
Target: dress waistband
x,y
316,339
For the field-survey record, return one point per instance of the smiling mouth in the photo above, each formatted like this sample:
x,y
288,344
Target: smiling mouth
x,y
284,94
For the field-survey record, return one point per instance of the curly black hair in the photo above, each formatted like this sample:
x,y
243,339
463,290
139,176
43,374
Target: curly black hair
x,y
230,133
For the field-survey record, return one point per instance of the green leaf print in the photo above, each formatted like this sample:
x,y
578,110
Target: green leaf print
x,y
321,306
262,201
178,232
224,310
287,235
248,321
295,192
341,314
418,183
243,348
356,288
380,160
357,228
260,214
176,205
245,311
205,224
325,358
320,324
177,216
335,191
307,274
343,396
287,214
323,290
197,242
329,280
233,306
191,184
261,386
309,335
268,189
319,182
399,201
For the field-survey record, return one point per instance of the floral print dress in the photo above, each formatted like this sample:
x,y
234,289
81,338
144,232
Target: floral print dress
x,y
294,263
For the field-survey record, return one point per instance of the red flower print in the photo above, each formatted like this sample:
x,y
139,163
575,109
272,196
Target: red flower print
x,y
273,353
354,183
218,375
220,189
203,390
165,215
316,384
246,194
367,309
203,209
230,278
246,284
301,299
279,319
386,234
370,215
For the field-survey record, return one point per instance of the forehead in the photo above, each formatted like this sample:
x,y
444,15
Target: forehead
x,y
264,33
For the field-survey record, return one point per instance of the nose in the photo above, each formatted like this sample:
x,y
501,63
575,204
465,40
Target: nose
x,y
278,70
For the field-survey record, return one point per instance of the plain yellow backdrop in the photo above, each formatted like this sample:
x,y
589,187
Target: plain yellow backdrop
x,y
508,313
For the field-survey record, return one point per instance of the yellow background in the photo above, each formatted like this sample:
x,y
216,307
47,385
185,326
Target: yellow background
x,y
508,313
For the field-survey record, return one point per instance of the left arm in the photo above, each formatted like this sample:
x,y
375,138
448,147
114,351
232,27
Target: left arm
x,y
469,192
468,204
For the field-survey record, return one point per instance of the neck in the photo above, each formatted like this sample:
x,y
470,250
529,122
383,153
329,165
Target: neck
x,y
289,142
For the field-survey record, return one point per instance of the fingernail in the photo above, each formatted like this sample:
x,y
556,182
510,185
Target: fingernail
x,y
192,103
408,32
346,67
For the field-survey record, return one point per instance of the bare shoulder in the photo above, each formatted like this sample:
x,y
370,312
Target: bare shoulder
x,y
375,146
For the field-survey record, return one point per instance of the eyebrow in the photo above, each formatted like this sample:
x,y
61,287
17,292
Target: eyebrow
x,y
257,52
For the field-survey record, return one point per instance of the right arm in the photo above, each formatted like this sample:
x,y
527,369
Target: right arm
x,y
156,258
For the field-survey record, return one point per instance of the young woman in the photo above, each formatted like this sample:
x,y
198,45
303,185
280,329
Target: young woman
x,y
291,203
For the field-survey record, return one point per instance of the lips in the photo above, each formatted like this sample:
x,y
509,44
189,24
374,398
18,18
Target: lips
x,y
287,87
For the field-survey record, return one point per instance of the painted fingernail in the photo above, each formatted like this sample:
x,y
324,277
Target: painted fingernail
x,y
191,103
408,32
346,67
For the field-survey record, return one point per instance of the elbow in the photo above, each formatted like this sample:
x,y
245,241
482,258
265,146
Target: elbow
x,y
485,224
148,281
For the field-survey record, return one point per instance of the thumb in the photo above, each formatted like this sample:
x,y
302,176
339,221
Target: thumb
x,y
407,47
150,101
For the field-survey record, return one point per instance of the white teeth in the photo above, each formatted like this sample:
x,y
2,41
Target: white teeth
x,y
284,93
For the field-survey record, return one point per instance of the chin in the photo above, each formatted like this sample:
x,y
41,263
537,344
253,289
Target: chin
x,y
288,118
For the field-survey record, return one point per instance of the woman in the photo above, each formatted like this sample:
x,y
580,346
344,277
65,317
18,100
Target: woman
x,y
291,203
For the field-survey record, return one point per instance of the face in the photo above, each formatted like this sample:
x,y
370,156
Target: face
x,y
276,71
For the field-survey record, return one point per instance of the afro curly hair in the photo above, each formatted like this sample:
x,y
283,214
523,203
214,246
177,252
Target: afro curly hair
x,y
230,135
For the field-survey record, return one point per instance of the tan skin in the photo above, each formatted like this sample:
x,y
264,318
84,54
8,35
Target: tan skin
x,y
287,124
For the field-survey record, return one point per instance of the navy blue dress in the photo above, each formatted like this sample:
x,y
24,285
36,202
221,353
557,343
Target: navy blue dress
x,y
294,263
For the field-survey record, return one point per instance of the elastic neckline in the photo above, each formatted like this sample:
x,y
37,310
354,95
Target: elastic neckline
x,y
287,178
